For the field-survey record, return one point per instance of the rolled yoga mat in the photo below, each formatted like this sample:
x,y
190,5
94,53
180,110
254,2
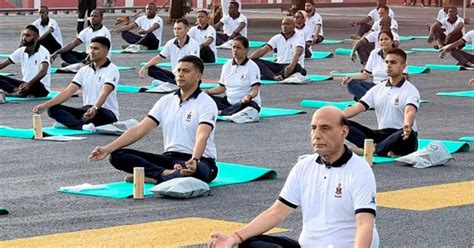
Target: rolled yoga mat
x,y
467,93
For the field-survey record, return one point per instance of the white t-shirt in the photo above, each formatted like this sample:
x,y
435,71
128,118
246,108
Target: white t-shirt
x,y
200,35
314,20
51,24
393,25
230,24
469,37
306,32
390,103
31,65
287,47
374,14
330,198
91,82
373,36
449,27
175,53
225,6
239,79
86,35
180,120
144,23
441,15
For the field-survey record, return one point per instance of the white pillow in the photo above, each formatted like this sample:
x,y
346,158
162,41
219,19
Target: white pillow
x,y
182,187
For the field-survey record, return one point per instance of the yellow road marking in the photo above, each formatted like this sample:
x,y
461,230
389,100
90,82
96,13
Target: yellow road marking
x,y
430,197
168,233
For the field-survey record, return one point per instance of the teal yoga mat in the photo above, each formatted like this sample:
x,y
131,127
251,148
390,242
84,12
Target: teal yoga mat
x,y
312,78
254,44
321,55
22,99
29,133
343,51
405,38
228,174
331,42
421,37
266,112
4,56
208,86
319,104
219,61
467,93
120,68
467,139
7,74
434,50
133,88
441,67
452,146
3,210
119,51
412,70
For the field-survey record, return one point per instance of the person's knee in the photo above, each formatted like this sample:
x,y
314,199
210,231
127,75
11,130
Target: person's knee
x,y
116,158
53,110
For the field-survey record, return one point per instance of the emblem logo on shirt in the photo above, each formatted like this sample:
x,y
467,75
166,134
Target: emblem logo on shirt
x,y
372,199
100,78
242,77
338,191
188,116
36,62
397,101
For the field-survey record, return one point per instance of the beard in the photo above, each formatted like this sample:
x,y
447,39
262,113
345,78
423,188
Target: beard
x,y
27,43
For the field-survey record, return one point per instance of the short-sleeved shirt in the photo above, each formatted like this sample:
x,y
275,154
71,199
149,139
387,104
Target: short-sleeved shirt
x,y
373,36
390,103
393,25
201,34
31,65
239,79
441,15
330,197
305,31
145,23
314,20
231,24
469,37
449,27
92,80
180,120
86,35
374,14
43,28
175,53
287,47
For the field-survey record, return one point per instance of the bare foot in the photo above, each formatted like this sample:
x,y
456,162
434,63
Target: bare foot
x,y
167,172
278,77
391,154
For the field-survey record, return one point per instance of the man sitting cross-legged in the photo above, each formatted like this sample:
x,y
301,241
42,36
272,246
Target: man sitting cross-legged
x,y
290,54
396,102
464,58
448,30
98,82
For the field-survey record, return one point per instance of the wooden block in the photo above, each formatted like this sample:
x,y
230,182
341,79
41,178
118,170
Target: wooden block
x,y
138,183
369,151
38,126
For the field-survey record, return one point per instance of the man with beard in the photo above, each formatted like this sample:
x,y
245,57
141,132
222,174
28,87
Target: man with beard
x,y
98,82
149,33
50,34
35,63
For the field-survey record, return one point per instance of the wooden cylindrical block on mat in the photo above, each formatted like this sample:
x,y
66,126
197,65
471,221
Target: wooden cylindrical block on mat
x,y
38,126
138,183
369,150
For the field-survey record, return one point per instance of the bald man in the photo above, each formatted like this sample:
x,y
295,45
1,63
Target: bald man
x,y
335,189
290,47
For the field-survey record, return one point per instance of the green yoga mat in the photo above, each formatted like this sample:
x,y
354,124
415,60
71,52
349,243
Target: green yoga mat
x,y
467,139
255,44
22,99
228,174
266,112
321,55
319,104
343,51
331,42
29,133
133,88
467,93
421,37
412,70
440,67
3,211
312,78
7,74
405,38
208,86
2,55
119,51
452,146
120,68
219,61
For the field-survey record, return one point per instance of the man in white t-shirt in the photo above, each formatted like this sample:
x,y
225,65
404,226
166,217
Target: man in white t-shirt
x,y
150,28
35,63
174,49
234,24
50,34
205,35
448,30
396,102
187,118
290,54
98,82
315,23
464,58
372,16
336,191
84,37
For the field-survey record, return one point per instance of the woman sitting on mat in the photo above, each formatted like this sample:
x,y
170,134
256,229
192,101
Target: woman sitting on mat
x,y
240,80
375,67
